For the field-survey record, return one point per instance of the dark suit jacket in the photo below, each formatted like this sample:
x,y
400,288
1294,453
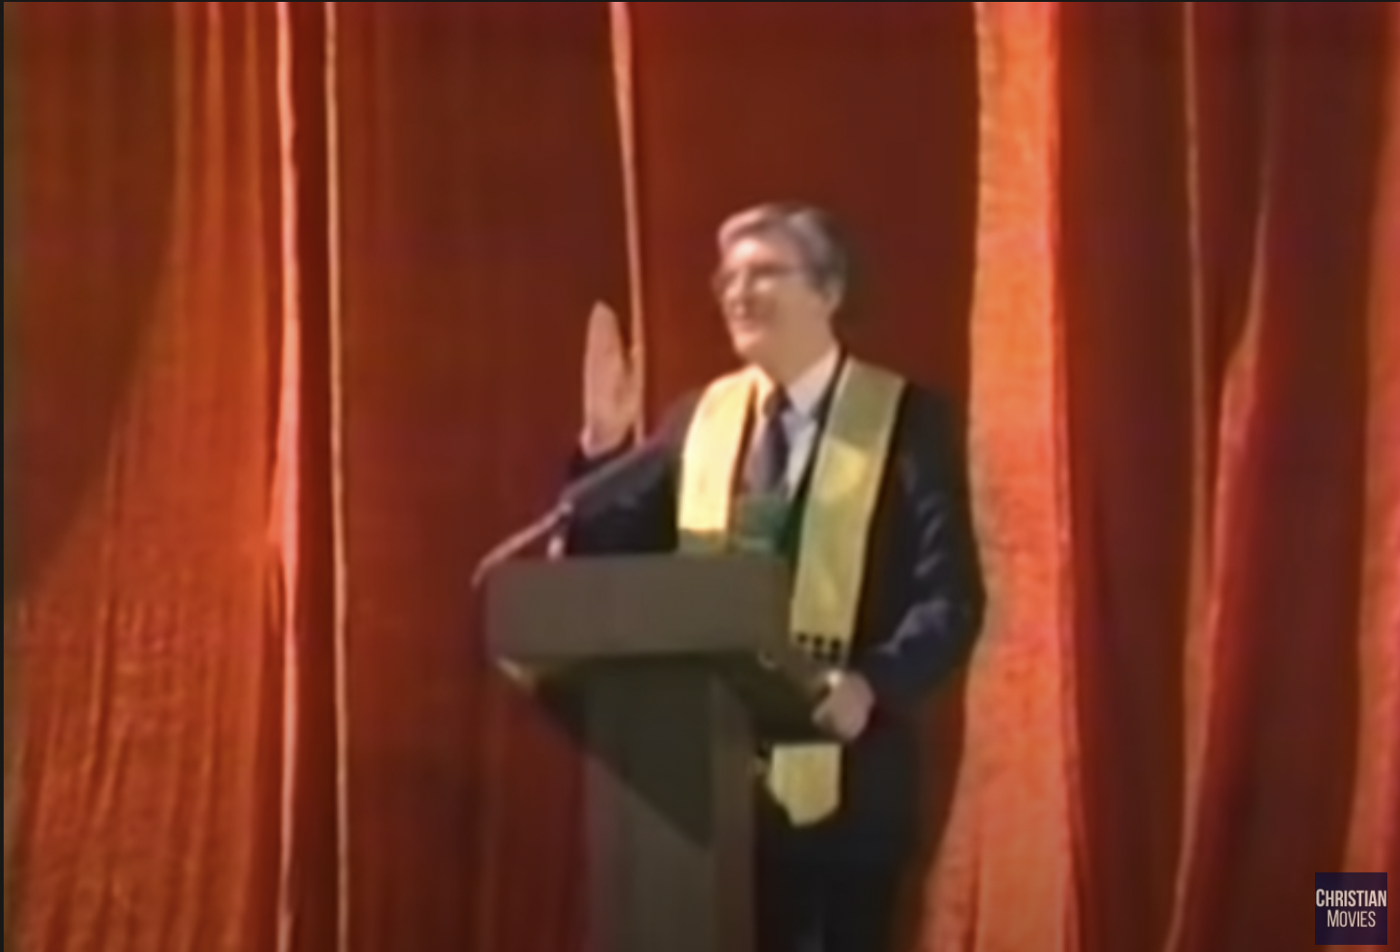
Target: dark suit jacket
x,y
921,605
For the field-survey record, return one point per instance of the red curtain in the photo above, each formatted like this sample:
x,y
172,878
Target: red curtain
x,y
294,301
143,328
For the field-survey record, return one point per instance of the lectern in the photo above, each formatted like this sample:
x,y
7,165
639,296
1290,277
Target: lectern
x,y
671,671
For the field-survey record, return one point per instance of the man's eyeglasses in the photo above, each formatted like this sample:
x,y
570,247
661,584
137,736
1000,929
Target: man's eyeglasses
x,y
758,275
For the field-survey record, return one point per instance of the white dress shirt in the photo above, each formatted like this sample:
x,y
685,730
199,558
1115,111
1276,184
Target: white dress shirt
x,y
799,420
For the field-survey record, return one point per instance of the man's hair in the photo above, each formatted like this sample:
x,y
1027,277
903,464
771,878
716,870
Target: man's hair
x,y
812,231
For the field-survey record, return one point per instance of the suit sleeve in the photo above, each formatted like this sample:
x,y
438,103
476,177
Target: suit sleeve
x,y
946,598
639,515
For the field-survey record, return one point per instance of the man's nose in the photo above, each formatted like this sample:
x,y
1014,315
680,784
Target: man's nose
x,y
742,297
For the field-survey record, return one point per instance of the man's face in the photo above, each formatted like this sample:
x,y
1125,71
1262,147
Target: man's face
x,y
768,300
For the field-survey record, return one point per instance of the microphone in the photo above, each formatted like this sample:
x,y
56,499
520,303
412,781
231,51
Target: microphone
x,y
583,495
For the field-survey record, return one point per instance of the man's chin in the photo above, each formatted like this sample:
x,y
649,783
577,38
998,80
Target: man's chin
x,y
748,345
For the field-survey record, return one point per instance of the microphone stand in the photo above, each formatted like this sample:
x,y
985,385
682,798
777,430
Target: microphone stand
x,y
582,493
548,525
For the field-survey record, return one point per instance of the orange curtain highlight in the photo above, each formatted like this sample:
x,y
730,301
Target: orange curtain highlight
x,y
142,326
294,310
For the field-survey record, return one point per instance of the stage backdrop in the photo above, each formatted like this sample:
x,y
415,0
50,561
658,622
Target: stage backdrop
x,y
294,307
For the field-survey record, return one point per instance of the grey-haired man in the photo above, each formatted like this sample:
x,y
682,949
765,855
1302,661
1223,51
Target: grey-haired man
x,y
874,515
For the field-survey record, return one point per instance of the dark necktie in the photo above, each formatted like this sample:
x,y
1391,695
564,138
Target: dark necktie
x,y
766,470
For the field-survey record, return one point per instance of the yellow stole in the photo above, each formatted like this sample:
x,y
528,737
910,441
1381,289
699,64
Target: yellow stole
x,y
848,468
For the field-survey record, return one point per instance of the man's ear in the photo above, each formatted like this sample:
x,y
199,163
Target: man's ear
x,y
835,299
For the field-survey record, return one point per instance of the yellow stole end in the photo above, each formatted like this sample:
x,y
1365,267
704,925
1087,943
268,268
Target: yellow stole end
x,y
834,536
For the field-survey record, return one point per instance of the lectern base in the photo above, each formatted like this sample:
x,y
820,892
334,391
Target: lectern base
x,y
670,811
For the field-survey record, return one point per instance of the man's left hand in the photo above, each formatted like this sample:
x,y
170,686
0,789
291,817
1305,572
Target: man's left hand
x,y
846,709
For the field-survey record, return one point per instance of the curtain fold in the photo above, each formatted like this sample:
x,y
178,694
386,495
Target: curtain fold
x,y
1374,840
140,601
1019,849
294,307
481,216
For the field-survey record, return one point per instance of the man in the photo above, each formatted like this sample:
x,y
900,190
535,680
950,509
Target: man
x,y
873,512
